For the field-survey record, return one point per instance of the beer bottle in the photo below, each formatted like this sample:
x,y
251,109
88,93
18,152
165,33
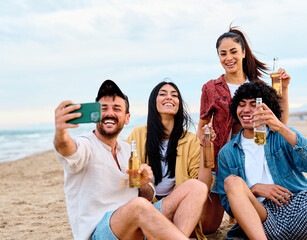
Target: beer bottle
x,y
260,132
208,150
276,82
134,166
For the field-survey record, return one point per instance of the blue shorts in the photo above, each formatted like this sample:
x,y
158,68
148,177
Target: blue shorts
x,y
103,230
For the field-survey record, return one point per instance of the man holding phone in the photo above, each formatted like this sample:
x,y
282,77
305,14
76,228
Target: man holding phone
x,y
100,204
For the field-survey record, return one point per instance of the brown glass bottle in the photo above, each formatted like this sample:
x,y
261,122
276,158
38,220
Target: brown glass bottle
x,y
208,150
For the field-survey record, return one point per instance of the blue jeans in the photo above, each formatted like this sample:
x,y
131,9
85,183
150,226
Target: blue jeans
x,y
103,230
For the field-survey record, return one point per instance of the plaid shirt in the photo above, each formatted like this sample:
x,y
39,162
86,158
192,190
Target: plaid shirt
x,y
216,100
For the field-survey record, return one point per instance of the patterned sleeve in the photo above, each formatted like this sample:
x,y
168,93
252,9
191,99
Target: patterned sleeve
x,y
207,101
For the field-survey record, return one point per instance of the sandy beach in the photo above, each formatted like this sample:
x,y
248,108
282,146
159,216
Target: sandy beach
x,y
32,201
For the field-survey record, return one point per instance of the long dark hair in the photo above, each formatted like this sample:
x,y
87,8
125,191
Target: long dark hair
x,y
252,67
156,134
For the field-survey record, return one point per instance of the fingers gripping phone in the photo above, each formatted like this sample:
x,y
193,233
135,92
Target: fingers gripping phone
x,y
91,112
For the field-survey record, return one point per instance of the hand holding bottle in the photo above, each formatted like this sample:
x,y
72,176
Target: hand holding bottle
x,y
259,126
212,133
280,79
264,116
284,77
146,174
208,147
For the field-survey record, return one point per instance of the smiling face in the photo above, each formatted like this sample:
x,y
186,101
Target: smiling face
x,y
113,116
167,100
245,110
231,55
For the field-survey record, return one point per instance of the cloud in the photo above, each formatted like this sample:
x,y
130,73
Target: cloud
x,y
110,33
52,50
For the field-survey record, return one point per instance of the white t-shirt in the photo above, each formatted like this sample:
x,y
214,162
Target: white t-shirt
x,y
167,184
94,184
256,166
233,88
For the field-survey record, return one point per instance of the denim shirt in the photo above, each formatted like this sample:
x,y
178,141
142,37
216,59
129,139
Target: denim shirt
x,y
286,163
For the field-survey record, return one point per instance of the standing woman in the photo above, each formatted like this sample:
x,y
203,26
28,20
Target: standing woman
x,y
240,65
165,144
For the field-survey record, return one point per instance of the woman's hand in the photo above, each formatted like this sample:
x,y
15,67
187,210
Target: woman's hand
x,y
284,77
203,130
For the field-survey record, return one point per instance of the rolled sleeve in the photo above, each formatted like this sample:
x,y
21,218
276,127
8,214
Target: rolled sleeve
x,y
300,152
75,162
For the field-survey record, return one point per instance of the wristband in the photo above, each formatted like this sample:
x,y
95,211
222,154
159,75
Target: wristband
x,y
153,189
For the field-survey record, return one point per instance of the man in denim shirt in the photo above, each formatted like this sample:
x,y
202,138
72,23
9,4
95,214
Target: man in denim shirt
x,y
263,186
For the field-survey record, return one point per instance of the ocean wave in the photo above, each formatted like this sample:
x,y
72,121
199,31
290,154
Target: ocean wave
x,y
28,136
23,142
16,144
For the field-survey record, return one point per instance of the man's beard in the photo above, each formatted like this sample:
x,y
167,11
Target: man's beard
x,y
113,134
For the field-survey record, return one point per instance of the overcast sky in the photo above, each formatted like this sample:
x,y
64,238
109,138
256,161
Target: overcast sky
x,y
52,51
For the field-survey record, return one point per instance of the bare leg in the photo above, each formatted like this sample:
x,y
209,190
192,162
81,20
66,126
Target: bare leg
x,y
212,215
138,218
248,211
185,204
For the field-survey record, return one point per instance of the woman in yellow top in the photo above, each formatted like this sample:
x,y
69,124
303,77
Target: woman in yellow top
x,y
172,152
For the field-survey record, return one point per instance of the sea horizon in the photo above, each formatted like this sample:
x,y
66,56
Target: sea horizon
x,y
20,142
25,141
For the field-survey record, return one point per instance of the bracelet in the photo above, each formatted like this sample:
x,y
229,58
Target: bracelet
x,y
153,189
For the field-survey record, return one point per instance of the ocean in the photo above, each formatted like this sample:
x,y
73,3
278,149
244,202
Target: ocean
x,y
29,140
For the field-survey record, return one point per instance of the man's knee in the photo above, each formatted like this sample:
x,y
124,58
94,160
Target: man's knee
x,y
140,202
138,205
127,220
232,182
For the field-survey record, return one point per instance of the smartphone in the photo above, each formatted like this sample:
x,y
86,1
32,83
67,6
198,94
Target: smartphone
x,y
91,112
